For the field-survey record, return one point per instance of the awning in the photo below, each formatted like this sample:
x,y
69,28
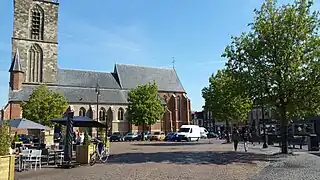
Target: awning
x,y
79,121
24,124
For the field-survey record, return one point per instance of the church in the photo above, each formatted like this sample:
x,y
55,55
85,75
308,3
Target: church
x,y
35,62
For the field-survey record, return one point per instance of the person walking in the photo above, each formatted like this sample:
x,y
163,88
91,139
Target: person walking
x,y
235,138
245,137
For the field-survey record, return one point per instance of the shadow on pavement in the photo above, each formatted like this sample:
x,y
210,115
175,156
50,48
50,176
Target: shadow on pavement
x,y
171,144
181,157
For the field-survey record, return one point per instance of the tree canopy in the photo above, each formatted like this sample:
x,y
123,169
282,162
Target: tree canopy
x,y
279,58
225,99
145,107
44,105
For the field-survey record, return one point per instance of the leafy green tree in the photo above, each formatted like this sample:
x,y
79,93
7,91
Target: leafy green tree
x,y
278,60
44,105
145,107
225,99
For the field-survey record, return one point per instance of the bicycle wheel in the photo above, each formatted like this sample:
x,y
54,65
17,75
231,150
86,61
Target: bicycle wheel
x,y
104,156
93,158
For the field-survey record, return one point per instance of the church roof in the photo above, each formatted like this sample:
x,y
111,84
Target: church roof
x,y
76,95
131,76
88,79
15,64
78,86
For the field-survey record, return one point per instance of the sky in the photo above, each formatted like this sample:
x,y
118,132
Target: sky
x,y
95,36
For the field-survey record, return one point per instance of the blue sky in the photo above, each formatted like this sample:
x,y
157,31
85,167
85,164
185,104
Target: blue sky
x,y
97,35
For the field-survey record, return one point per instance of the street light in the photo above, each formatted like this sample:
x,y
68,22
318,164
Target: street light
x,y
98,94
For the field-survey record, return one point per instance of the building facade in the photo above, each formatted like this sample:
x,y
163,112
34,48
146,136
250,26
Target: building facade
x,y
204,119
35,62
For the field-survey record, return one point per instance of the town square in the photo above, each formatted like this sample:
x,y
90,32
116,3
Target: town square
x,y
164,90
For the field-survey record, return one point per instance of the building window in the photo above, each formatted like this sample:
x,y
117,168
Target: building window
x,y
179,107
102,114
82,112
120,114
35,64
36,26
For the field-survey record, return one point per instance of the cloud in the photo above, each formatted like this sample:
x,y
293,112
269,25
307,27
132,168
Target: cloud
x,y
124,38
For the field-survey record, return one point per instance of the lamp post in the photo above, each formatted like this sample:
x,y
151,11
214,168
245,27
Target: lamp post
x,y
98,94
265,145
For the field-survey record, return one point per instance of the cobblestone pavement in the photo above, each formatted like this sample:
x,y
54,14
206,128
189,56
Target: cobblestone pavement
x,y
205,160
298,166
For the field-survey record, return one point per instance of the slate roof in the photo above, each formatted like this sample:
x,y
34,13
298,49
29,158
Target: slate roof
x,y
15,64
78,86
88,79
130,76
76,95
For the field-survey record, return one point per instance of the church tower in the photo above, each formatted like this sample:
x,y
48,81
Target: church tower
x,y
34,42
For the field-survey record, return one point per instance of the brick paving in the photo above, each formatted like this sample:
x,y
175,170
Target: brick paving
x,y
205,160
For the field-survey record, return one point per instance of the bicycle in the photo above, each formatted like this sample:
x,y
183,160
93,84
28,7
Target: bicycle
x,y
102,152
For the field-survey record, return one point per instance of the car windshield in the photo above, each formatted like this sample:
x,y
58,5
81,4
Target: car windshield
x,y
184,129
156,133
116,133
171,133
129,134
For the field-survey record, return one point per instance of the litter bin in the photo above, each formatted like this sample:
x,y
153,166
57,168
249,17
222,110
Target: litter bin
x,y
313,142
270,139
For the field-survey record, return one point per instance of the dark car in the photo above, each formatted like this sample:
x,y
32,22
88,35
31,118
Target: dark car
x,y
212,135
171,136
116,136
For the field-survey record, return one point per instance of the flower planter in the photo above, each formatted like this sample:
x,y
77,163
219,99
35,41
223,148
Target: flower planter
x,y
7,167
83,153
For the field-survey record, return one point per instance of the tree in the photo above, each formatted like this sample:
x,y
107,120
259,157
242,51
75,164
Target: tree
x,y
44,105
224,98
279,58
145,107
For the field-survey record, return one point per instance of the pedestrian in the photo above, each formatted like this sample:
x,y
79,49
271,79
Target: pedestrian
x,y
235,138
245,137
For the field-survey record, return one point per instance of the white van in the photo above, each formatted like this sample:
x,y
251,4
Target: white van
x,y
189,133
203,133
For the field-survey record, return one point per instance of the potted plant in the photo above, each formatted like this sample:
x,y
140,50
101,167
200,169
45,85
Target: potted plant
x,y
83,151
6,160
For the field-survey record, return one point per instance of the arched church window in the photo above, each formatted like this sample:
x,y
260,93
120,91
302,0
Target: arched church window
x,y
102,114
120,114
82,112
35,64
37,19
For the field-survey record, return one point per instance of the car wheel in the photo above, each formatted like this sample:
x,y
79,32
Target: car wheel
x,y
198,140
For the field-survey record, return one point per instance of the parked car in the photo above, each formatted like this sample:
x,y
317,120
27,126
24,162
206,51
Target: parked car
x,y
130,136
172,136
158,136
116,136
212,135
203,133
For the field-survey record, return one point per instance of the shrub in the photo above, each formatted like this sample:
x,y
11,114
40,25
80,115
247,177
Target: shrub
x,y
5,140
86,141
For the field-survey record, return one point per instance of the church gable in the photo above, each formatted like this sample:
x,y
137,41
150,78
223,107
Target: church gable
x,y
131,76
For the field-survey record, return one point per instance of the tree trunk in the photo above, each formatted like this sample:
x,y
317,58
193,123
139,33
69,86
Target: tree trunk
x,y
227,131
284,130
143,130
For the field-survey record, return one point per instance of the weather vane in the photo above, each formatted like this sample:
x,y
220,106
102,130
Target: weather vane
x,y
173,61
